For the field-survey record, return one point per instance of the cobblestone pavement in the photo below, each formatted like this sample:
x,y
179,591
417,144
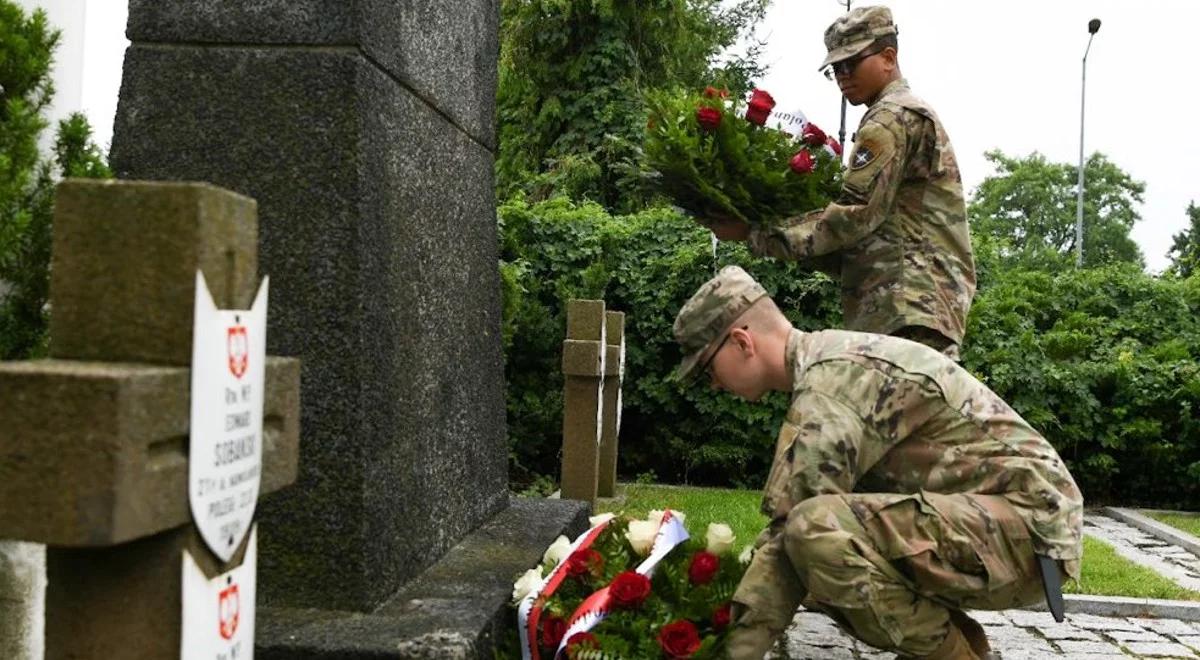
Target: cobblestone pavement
x,y
1132,543
1017,635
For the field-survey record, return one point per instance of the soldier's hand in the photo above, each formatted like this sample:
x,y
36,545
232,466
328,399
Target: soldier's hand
x,y
728,229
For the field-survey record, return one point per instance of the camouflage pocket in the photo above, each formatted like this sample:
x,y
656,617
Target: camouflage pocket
x,y
961,549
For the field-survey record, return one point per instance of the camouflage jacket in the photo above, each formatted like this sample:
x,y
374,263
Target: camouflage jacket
x,y
878,414
898,231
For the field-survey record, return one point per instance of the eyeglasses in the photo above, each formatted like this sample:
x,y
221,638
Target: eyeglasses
x,y
707,367
846,67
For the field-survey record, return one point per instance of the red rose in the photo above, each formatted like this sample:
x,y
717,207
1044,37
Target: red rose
x,y
722,616
703,567
713,93
582,639
553,630
759,107
584,562
679,639
802,162
813,136
708,118
629,589
834,144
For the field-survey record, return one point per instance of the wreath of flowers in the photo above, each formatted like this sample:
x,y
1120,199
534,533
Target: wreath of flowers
x,y
628,588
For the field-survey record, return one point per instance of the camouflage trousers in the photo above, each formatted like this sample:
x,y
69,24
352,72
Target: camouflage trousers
x,y
889,568
931,338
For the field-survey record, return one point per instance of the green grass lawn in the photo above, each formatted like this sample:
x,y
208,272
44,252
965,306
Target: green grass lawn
x,y
736,508
1189,524
1105,573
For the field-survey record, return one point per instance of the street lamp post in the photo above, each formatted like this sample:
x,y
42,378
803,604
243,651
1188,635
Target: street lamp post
x,y
842,128
1093,28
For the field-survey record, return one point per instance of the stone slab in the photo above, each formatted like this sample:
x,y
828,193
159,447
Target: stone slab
x,y
123,270
1159,650
455,609
378,229
443,50
120,431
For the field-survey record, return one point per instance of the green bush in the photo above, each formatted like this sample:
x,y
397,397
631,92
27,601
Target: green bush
x,y
646,265
1104,363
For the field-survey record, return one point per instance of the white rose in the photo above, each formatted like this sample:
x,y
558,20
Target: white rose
x,y
557,551
526,583
747,554
602,518
719,538
656,515
641,535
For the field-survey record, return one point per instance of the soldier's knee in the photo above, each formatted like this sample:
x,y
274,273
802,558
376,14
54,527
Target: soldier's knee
x,y
815,530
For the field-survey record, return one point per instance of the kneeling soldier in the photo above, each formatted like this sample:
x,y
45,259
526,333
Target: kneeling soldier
x,y
903,491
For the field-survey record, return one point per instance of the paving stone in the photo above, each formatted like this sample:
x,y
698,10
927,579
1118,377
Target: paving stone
x,y
1151,543
1189,640
1101,623
809,652
1008,640
1057,631
811,620
1027,655
823,638
989,617
1027,619
1125,636
1160,650
877,655
1094,656
1089,648
1171,627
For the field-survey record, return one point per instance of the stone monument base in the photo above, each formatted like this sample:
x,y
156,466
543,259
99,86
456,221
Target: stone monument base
x,y
455,609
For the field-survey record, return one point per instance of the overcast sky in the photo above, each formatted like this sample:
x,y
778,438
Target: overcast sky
x,y
1006,75
1001,74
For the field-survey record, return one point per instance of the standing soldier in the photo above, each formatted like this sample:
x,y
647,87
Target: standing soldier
x,y
902,491
898,231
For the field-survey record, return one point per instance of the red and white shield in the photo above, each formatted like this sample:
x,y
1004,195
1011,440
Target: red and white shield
x,y
228,610
239,350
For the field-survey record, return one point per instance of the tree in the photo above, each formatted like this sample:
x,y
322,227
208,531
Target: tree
x,y
1185,250
573,74
27,179
1028,211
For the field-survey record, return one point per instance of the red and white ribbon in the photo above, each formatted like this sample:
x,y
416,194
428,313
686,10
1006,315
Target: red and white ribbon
x,y
596,607
530,609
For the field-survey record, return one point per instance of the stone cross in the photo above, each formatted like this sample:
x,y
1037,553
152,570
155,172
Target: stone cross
x,y
593,367
94,442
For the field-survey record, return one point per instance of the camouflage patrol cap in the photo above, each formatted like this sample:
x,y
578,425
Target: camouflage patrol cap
x,y
710,312
855,31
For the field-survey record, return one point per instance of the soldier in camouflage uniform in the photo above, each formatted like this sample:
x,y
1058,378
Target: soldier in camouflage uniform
x,y
902,492
898,233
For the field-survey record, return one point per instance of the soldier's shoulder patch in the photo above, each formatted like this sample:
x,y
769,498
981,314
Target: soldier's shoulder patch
x,y
872,141
863,155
